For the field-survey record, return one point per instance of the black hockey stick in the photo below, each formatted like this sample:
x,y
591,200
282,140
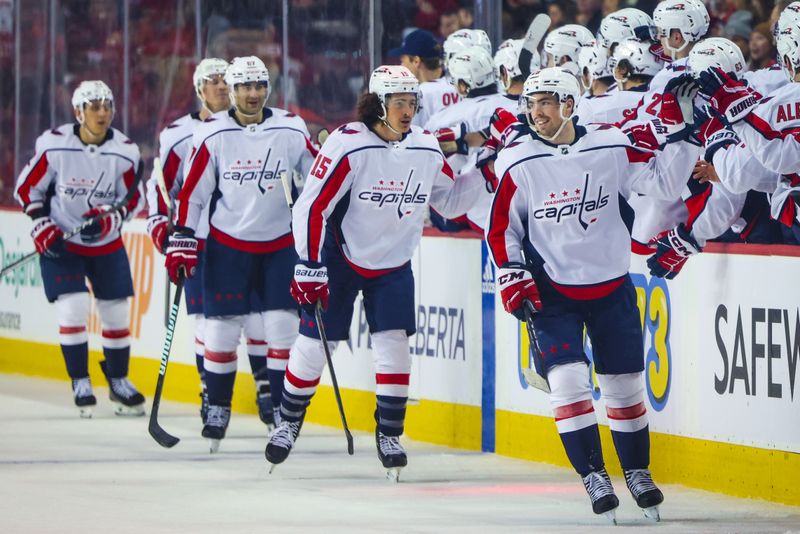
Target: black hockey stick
x,y
85,224
162,437
534,377
324,339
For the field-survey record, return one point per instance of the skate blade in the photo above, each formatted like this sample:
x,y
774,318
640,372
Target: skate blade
x,y
652,513
271,468
611,515
213,445
393,474
128,411
85,412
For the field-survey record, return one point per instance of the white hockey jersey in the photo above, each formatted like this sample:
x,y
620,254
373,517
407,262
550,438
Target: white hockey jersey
x,y
175,149
610,108
766,81
565,201
373,194
237,170
436,96
71,177
474,112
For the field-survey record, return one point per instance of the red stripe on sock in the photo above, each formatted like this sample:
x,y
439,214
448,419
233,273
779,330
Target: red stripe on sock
x,y
400,379
71,329
278,354
116,334
630,412
573,410
299,382
220,357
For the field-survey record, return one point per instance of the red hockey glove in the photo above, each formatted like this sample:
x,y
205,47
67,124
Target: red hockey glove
x,y
673,248
310,285
452,140
47,237
181,256
108,221
516,284
157,228
729,97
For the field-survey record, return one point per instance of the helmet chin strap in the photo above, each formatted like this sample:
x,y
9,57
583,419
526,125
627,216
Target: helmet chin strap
x,y
385,120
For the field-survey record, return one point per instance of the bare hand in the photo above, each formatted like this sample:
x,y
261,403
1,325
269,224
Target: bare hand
x,y
704,172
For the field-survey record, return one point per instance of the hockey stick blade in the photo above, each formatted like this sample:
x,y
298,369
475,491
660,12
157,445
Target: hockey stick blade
x,y
532,376
162,437
85,224
287,189
322,135
324,339
536,32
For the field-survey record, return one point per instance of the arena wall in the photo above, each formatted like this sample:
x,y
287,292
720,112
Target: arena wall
x,y
722,344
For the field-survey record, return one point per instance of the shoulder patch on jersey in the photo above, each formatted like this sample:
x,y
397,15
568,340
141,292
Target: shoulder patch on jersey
x,y
55,131
345,130
210,119
173,125
290,114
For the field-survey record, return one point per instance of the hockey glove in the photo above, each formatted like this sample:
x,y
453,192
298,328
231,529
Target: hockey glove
x,y
108,221
157,228
47,237
720,139
673,248
729,97
181,259
516,284
685,89
452,140
310,285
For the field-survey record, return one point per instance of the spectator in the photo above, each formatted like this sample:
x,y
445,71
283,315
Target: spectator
x,y
427,17
738,29
561,12
590,14
448,23
518,14
762,50
777,9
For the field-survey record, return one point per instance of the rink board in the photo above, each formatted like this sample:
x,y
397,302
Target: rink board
x,y
722,348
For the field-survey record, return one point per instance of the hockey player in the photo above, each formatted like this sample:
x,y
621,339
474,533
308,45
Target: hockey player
x,y
563,45
422,55
175,143
560,242
374,177
239,157
508,69
80,171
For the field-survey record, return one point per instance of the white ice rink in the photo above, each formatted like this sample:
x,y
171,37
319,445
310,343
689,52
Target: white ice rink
x,y
59,473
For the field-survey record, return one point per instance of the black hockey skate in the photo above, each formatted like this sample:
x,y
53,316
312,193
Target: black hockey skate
x,y
84,397
646,493
391,454
601,492
216,425
281,442
266,412
123,395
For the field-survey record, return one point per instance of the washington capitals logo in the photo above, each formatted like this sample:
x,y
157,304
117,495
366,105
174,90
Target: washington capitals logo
x,y
254,170
564,204
397,192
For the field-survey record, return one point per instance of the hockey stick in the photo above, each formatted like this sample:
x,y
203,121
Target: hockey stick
x,y
534,376
85,224
324,339
534,35
162,437
164,192
287,190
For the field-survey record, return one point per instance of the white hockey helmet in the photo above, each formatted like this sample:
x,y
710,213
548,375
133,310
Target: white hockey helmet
x,y
787,39
638,58
460,40
564,43
593,61
473,66
621,25
210,66
554,80
716,52
689,17
90,91
245,70
390,79
507,56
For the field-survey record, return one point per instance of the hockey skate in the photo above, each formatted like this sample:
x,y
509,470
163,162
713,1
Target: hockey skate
x,y
601,492
84,398
266,412
216,425
391,454
646,493
123,395
281,442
